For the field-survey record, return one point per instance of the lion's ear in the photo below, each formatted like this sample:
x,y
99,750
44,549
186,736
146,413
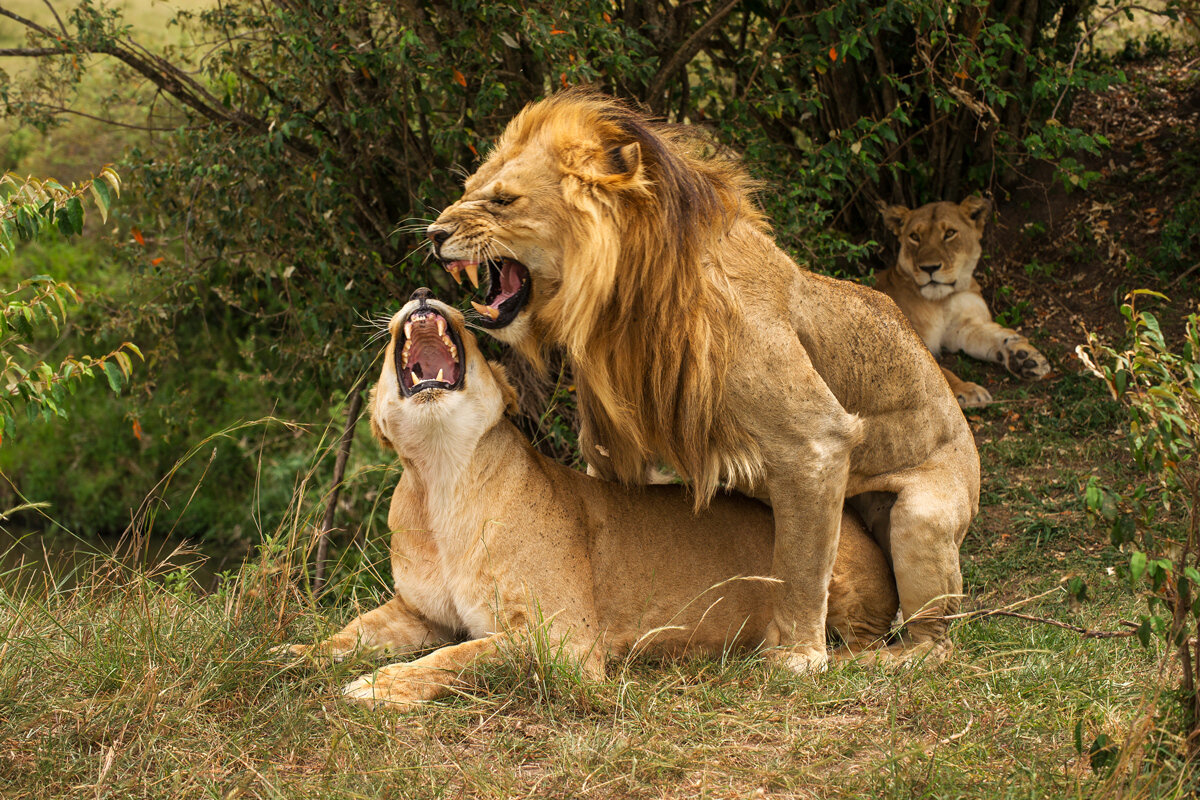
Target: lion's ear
x,y
511,401
626,160
617,168
977,210
894,217
375,429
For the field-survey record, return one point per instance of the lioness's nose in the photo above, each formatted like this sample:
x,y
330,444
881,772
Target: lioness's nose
x,y
930,268
437,235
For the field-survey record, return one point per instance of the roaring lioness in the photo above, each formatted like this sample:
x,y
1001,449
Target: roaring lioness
x,y
489,538
696,342
933,282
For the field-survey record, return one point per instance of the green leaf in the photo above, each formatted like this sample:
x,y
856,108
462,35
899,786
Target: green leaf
x,y
113,373
1137,566
74,210
102,193
1143,632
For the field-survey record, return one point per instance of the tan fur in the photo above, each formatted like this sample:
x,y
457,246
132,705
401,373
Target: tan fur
x,y
945,304
697,343
491,540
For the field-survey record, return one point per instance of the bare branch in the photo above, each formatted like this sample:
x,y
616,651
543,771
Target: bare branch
x,y
1086,633
686,52
57,18
33,52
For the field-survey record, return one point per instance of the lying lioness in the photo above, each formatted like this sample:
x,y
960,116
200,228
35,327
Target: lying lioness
x,y
490,539
933,283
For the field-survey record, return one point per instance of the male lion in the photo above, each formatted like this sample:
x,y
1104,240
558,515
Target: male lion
x,y
490,538
933,282
695,341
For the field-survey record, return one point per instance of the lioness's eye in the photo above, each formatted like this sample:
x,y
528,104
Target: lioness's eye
x,y
951,233
914,238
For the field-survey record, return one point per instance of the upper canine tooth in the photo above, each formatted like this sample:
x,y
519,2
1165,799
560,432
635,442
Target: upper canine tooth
x,y
408,329
473,273
439,378
455,272
487,311
441,325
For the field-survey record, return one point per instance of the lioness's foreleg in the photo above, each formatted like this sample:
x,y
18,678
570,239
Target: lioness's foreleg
x,y
395,626
968,394
404,685
989,341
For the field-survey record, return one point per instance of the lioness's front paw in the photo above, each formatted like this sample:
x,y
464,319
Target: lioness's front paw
x,y
800,659
972,395
1021,359
399,687
286,650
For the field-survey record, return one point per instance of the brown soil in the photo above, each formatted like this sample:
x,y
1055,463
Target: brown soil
x,y
1072,256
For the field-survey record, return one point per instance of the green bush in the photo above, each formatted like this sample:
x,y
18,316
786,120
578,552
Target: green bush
x,y
311,142
1159,388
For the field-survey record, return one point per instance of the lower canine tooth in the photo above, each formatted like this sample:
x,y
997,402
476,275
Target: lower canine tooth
x,y
439,378
414,377
487,311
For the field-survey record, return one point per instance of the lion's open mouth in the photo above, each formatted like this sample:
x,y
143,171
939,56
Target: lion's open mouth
x,y
507,292
429,353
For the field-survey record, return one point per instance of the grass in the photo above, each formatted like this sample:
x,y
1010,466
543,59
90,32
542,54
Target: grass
x,y
130,685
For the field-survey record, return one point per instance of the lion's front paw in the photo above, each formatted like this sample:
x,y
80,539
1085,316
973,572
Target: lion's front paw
x,y
1022,359
972,395
399,687
800,659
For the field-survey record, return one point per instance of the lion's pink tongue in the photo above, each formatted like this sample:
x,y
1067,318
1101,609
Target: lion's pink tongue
x,y
510,282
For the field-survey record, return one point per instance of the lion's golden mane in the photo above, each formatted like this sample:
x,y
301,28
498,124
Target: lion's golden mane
x,y
652,348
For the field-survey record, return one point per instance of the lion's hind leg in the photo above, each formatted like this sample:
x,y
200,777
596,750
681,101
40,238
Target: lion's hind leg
x,y
925,526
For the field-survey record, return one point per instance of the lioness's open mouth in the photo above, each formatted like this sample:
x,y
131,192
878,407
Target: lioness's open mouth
x,y
507,292
429,353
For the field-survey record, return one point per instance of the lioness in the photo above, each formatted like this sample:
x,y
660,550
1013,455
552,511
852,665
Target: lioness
x,y
696,342
490,537
933,283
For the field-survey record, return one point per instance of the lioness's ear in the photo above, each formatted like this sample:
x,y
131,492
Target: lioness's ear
x,y
511,402
894,217
375,431
977,209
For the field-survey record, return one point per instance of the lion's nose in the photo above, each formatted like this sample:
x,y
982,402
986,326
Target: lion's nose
x,y
422,295
930,268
